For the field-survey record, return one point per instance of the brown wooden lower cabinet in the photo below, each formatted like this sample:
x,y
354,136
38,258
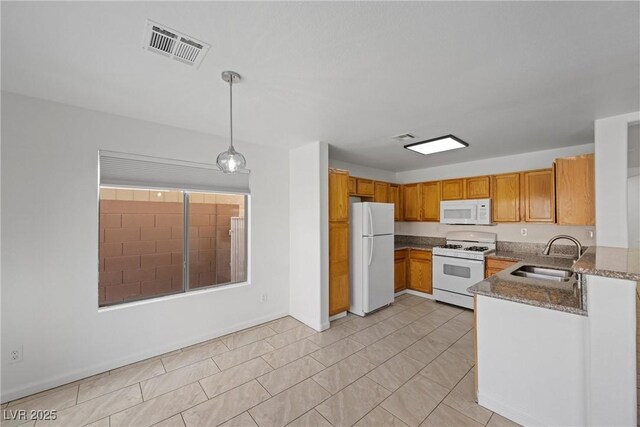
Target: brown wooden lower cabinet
x,y
338,267
400,270
420,271
495,265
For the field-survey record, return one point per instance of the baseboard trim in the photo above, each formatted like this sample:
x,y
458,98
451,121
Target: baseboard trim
x,y
37,387
416,293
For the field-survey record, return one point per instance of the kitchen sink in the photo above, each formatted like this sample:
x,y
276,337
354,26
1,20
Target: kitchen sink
x,y
543,273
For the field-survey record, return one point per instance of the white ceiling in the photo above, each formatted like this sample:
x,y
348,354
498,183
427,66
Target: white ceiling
x,y
507,77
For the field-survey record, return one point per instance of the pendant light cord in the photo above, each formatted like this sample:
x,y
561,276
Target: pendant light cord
x,y
231,107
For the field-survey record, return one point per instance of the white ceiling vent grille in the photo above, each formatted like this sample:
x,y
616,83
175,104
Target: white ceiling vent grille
x,y
404,137
173,44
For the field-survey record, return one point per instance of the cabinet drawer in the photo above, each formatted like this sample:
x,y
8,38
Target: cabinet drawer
x,y
499,264
400,254
418,254
364,187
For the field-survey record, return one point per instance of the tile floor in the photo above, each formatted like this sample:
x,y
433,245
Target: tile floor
x,y
409,364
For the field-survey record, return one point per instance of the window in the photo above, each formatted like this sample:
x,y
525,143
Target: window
x,y
145,233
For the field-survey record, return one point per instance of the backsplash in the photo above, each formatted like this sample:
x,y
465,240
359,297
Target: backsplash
x,y
419,240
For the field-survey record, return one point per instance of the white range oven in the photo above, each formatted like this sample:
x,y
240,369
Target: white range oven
x,y
460,264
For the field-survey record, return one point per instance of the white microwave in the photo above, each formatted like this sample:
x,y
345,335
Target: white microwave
x,y
476,212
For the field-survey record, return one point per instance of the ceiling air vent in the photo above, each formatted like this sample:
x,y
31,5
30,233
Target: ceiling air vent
x,y
404,137
173,44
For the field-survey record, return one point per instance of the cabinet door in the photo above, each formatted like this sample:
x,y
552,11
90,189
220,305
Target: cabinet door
x,y
538,196
352,185
506,198
575,190
380,190
453,189
394,197
411,202
430,197
478,187
364,187
400,271
338,195
420,271
494,266
338,267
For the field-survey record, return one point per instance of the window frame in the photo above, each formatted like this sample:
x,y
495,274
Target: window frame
x,y
186,288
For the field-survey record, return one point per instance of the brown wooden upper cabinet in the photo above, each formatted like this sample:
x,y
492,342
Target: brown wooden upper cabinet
x,y
478,187
352,185
575,190
394,197
420,274
364,187
506,198
538,196
453,189
430,193
411,202
380,190
338,267
338,195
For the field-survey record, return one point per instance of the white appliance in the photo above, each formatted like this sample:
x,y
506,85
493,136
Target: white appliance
x,y
477,212
460,264
371,257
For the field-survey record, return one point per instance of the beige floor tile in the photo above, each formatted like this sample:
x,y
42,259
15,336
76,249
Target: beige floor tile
x,y
464,347
194,354
427,349
349,317
175,421
447,369
379,352
400,339
498,420
310,419
380,418
242,354
289,405
226,406
353,402
445,416
337,351
288,354
96,409
409,300
284,324
143,362
242,338
372,334
178,378
160,408
59,400
288,375
242,420
395,372
424,308
462,399
74,384
359,323
100,423
119,380
233,377
338,376
415,400
420,330
331,335
291,336
396,322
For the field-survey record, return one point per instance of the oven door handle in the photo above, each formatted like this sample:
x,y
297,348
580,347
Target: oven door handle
x,y
475,261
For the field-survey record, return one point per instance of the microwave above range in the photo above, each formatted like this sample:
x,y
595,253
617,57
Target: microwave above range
x,y
469,212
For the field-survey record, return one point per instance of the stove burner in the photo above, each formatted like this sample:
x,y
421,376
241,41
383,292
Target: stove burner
x,y
477,248
449,246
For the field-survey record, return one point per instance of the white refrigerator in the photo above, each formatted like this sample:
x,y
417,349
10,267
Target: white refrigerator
x,y
372,231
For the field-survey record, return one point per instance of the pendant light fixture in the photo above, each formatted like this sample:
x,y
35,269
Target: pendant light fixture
x,y
231,161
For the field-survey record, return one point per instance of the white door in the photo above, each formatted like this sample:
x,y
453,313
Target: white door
x,y
377,219
377,272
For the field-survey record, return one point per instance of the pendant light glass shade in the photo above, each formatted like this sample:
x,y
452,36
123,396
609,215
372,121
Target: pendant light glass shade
x,y
231,161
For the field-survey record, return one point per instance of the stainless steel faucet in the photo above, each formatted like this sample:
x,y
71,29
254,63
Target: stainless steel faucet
x,y
547,248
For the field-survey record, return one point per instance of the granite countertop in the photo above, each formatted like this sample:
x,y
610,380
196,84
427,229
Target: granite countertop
x,y
605,261
561,296
419,246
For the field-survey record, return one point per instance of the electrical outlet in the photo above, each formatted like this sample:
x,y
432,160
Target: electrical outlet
x,y
590,234
15,355
264,297
523,231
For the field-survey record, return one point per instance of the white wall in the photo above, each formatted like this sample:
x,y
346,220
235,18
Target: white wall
x,y
309,255
363,171
633,210
50,247
611,143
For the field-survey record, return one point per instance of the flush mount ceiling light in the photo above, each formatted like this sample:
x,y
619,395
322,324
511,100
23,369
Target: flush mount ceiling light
x,y
231,161
436,145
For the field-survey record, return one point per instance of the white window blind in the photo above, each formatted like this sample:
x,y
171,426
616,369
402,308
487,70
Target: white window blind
x,y
120,169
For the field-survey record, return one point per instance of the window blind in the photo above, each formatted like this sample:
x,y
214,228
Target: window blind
x,y
120,169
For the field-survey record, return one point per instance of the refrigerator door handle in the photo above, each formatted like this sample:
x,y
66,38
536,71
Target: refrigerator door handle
x,y
370,221
371,250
